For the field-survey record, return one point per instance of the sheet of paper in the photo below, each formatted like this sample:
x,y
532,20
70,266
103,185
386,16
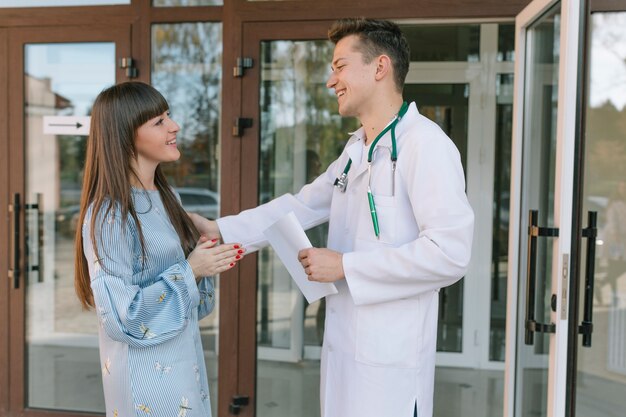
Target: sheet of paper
x,y
287,238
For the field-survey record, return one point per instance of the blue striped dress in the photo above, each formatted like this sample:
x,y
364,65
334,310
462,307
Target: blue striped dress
x,y
148,307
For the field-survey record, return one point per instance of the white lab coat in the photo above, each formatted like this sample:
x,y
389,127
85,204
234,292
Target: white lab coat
x,y
378,356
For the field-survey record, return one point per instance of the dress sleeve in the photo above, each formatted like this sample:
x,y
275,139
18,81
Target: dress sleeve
x,y
139,316
206,288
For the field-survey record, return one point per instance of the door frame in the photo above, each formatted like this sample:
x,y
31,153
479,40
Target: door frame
x,y
566,141
4,249
120,34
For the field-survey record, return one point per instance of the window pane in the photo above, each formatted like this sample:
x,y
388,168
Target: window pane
x,y
301,134
432,43
186,69
61,80
506,42
601,369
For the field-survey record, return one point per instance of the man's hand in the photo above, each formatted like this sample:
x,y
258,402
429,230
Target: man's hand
x,y
206,227
322,265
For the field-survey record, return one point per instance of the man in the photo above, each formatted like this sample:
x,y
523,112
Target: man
x,y
399,230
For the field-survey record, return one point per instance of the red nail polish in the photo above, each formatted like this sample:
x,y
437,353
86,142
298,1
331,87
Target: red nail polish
x,y
236,246
232,264
239,251
213,240
237,257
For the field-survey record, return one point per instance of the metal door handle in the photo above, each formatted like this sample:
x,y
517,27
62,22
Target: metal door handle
x,y
591,233
37,208
14,271
534,231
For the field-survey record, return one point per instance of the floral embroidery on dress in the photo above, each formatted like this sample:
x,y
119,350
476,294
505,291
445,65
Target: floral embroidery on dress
x,y
205,294
196,369
147,334
102,316
143,407
162,370
204,395
161,297
176,277
106,369
183,407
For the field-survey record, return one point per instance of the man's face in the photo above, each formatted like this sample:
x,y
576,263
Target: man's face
x,y
351,78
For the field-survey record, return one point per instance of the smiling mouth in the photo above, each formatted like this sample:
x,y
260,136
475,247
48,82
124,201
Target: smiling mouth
x,y
340,93
171,142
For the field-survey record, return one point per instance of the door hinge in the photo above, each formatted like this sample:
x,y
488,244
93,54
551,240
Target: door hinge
x,y
128,64
240,124
238,402
243,63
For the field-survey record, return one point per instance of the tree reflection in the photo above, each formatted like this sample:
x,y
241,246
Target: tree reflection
x,y
186,68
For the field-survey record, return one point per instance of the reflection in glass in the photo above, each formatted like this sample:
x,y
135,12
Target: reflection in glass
x,y
601,377
538,173
186,3
186,69
436,43
501,186
448,106
61,338
506,42
301,134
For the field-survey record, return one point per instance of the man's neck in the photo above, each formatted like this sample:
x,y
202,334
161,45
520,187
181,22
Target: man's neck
x,y
379,117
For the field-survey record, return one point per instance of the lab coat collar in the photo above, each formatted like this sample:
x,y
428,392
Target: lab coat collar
x,y
356,148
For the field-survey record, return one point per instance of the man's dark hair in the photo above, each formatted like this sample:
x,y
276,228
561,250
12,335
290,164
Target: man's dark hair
x,y
377,37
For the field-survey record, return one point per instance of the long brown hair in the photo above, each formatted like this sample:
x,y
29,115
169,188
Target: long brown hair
x,y
117,114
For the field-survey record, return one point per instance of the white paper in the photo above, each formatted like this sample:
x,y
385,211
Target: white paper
x,y
287,238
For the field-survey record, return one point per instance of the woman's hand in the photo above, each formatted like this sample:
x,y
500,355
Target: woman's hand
x,y
209,258
205,226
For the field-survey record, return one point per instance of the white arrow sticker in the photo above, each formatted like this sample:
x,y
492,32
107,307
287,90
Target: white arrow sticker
x,y
66,125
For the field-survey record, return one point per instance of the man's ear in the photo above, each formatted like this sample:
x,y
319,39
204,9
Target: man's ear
x,y
383,67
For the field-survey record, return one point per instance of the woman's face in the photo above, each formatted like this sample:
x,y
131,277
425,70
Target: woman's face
x,y
155,141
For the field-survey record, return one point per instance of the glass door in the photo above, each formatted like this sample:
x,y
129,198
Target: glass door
x,y
544,140
450,97
295,133
601,358
54,77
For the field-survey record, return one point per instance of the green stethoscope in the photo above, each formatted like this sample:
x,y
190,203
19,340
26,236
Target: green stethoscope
x,y
341,181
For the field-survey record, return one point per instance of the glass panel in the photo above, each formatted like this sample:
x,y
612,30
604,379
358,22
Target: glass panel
x,y
601,386
500,239
448,106
538,165
436,43
55,3
301,134
186,3
506,42
186,69
61,338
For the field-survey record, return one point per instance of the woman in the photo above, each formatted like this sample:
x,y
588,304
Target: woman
x,y
141,262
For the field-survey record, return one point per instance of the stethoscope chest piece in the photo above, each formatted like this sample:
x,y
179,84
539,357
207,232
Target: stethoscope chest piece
x,y
341,182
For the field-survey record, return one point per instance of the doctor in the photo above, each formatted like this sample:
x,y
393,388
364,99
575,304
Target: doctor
x,y
400,229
